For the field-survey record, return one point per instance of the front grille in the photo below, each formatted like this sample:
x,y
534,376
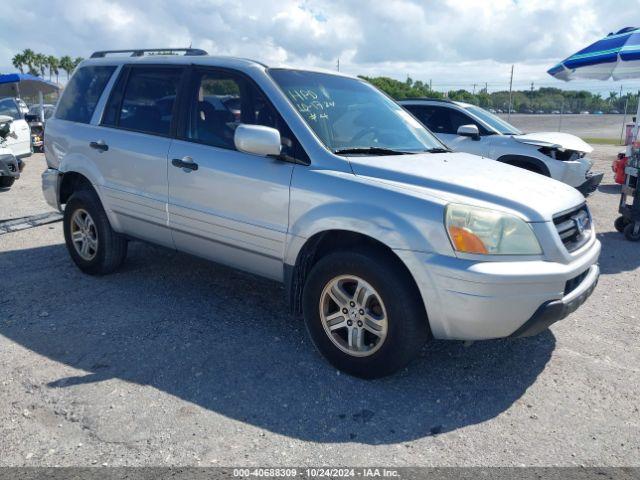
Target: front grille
x,y
574,227
573,283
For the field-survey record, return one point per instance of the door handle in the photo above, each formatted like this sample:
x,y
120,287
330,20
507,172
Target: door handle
x,y
185,162
99,145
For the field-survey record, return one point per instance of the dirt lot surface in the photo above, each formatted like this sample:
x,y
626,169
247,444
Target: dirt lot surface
x,y
177,361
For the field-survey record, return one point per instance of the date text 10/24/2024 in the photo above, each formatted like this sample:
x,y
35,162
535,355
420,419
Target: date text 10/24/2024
x,y
319,472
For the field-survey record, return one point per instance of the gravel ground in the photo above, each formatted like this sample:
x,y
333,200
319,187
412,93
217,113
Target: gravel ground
x,y
177,361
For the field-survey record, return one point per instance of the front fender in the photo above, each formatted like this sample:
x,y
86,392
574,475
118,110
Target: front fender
x,y
324,200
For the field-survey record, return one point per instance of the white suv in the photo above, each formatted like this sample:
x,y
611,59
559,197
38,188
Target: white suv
x,y
469,128
382,237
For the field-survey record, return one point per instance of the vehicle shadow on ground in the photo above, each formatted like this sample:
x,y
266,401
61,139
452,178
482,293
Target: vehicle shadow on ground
x,y
224,340
618,254
611,188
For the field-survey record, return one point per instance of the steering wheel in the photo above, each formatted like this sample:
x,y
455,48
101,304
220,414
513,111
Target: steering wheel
x,y
361,134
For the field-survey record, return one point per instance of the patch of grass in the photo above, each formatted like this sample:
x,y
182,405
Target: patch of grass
x,y
603,141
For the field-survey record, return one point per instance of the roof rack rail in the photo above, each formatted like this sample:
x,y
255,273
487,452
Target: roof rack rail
x,y
139,52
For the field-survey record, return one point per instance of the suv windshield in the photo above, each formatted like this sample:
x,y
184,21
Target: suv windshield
x,y
352,117
493,121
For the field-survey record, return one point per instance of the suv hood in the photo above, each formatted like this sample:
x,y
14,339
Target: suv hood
x,y
566,141
464,178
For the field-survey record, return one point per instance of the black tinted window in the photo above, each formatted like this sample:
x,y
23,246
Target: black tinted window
x,y
442,119
148,100
82,93
9,107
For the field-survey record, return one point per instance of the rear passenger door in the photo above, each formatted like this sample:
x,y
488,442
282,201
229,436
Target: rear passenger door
x,y
234,208
131,147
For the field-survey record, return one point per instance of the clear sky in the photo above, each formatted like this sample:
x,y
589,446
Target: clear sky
x,y
454,43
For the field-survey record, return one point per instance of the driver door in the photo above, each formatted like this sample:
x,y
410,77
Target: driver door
x,y
226,205
444,123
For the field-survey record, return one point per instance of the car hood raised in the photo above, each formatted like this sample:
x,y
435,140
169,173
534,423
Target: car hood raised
x,y
565,141
461,177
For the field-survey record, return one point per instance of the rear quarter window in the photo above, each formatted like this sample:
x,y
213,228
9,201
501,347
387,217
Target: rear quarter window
x,y
82,93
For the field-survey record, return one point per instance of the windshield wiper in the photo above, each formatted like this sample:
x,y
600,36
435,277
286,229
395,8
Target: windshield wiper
x,y
371,151
437,150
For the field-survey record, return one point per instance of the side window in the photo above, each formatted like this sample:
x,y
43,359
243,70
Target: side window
x,y
220,101
458,119
424,114
217,106
9,107
147,103
82,93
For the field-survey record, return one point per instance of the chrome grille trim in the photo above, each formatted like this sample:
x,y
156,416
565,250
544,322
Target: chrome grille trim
x,y
574,227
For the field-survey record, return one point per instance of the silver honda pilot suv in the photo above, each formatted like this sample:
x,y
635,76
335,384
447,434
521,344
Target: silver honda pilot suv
x,y
383,237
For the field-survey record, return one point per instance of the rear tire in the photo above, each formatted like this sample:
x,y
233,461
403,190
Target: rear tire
x,y
6,182
632,231
620,224
384,326
93,245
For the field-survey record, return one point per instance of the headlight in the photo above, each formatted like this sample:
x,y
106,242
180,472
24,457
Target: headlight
x,y
489,232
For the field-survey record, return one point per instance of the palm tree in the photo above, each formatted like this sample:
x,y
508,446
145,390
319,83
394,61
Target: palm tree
x,y
40,63
77,61
53,63
28,57
18,62
66,64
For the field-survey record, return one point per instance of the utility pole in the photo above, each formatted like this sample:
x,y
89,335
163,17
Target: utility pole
x,y
474,89
624,118
486,87
338,64
430,86
510,91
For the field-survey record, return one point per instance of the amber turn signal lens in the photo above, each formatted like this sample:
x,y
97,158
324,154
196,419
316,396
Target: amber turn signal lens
x,y
465,241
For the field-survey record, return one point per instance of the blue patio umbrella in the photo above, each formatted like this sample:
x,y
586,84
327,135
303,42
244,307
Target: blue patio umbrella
x,y
24,84
616,57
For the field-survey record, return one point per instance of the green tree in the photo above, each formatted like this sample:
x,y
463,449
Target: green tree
x,y
66,64
40,63
18,62
29,58
53,64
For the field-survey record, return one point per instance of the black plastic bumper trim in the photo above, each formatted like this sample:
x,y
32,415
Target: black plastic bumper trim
x,y
591,184
551,312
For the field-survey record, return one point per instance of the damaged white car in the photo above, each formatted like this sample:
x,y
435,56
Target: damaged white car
x,y
468,128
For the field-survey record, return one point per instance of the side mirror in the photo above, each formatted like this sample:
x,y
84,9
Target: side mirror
x,y
469,131
257,139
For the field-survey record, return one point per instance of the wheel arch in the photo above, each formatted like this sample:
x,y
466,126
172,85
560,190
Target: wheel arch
x,y
528,163
323,243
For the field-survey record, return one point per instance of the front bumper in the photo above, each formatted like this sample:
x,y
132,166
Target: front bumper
x,y
471,300
9,166
51,187
556,310
591,183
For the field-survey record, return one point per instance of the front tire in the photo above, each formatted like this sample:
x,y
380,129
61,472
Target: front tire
x,y
6,182
364,313
93,245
